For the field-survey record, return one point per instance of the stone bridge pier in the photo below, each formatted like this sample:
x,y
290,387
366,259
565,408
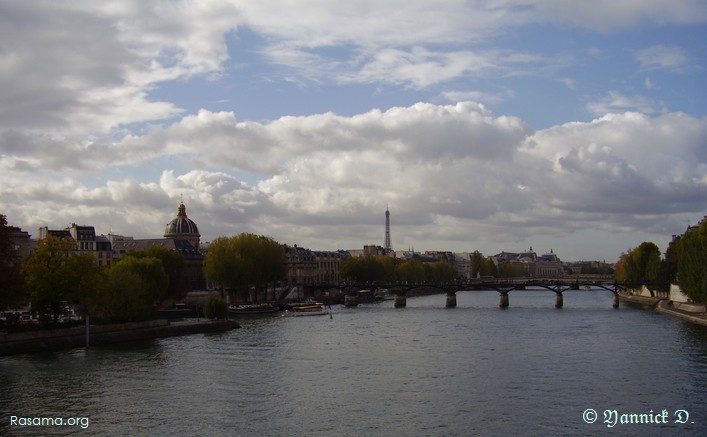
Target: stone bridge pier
x,y
451,299
504,300
351,300
558,300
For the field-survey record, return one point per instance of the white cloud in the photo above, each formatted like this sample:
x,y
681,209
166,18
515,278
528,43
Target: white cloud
x,y
479,96
83,67
618,102
454,176
625,164
662,57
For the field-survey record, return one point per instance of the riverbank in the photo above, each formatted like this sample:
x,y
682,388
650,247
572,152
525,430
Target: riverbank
x,y
689,312
68,338
638,299
693,313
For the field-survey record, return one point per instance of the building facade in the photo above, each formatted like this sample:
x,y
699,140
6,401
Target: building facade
x,y
529,264
85,241
309,267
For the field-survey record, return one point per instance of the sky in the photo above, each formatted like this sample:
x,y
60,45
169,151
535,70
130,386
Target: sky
x,y
491,125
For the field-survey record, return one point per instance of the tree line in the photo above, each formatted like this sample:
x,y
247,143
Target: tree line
x,y
684,263
56,275
382,268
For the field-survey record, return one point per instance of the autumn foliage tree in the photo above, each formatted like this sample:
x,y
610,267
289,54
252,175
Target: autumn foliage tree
x,y
642,264
56,273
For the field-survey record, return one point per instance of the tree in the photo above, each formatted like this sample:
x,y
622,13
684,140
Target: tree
x,y
11,291
55,273
672,258
439,271
245,263
511,270
215,308
411,271
482,266
692,260
173,264
389,268
477,260
642,264
368,268
132,289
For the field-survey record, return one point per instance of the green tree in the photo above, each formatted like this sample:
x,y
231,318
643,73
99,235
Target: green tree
x,y
482,266
173,264
412,271
511,270
132,289
692,273
477,260
351,268
11,290
642,264
368,268
488,268
439,271
672,258
389,268
55,273
246,263
215,308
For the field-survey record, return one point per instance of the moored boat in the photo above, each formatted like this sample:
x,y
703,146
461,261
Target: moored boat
x,y
383,294
308,302
258,308
317,309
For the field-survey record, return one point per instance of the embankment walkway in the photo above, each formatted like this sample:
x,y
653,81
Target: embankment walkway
x,y
689,312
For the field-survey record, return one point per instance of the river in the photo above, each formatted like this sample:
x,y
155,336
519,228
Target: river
x,y
375,370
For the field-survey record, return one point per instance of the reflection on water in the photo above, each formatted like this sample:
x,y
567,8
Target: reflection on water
x,y
377,370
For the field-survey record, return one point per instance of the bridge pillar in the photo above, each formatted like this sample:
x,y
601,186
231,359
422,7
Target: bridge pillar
x,y
350,300
400,301
451,300
616,300
504,300
558,300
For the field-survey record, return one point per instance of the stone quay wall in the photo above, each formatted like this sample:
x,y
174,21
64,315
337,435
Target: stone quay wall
x,y
57,339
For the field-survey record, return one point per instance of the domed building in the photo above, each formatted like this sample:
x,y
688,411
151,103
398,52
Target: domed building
x,y
183,228
180,235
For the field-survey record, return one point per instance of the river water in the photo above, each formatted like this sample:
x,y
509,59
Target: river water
x,y
375,370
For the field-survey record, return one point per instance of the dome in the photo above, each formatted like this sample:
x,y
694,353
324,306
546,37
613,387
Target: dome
x,y
182,226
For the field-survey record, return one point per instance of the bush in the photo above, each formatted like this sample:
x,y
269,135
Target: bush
x,y
215,308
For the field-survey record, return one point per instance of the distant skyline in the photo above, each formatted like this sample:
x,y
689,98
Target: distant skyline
x,y
483,125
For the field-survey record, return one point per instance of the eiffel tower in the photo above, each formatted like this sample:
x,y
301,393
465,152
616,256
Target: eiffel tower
x,y
387,245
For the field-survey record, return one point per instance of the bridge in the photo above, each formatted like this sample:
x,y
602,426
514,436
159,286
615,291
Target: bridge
x,y
502,286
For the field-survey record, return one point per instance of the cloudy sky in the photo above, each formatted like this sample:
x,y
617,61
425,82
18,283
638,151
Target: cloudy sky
x,y
483,125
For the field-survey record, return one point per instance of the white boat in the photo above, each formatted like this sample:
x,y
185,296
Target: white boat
x,y
258,308
317,309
